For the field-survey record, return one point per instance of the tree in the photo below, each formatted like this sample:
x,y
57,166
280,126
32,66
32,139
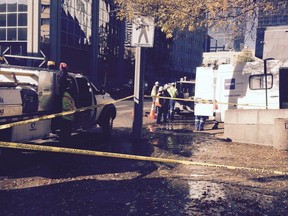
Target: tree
x,y
194,14
245,56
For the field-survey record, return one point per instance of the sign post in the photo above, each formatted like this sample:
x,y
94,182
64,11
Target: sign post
x,y
142,36
138,95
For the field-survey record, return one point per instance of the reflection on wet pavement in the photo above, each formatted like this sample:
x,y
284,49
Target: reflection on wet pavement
x,y
206,190
174,138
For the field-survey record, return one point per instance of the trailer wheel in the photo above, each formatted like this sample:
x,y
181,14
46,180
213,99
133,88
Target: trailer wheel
x,y
177,110
107,125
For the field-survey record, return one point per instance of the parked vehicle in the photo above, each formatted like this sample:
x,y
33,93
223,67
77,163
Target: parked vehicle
x,y
186,90
243,85
28,92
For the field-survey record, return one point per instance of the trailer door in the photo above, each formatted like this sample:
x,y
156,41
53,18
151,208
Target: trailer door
x,y
204,90
283,91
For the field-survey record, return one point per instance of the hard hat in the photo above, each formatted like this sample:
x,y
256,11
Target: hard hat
x,y
161,89
63,66
173,84
156,83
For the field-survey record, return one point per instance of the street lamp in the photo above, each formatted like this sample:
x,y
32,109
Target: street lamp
x,y
265,73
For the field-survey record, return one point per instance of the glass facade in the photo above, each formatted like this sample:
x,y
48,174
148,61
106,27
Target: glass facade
x,y
65,33
276,17
108,31
13,20
45,21
76,22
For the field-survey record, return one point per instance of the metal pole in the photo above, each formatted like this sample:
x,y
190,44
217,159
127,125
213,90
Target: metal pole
x,y
138,94
265,74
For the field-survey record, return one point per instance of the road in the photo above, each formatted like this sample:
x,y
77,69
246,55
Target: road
x,y
47,183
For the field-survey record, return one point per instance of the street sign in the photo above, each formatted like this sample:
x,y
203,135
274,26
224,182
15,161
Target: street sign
x,y
143,32
128,34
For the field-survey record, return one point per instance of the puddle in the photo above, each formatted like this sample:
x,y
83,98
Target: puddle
x,y
169,127
206,190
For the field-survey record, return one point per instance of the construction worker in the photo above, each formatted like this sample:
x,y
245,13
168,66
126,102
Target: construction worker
x,y
154,93
162,106
173,92
63,67
68,104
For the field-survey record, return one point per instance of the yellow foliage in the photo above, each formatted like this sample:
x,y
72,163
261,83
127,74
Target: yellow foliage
x,y
245,56
191,14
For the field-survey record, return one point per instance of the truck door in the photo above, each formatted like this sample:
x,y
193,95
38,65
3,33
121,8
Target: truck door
x,y
85,98
283,91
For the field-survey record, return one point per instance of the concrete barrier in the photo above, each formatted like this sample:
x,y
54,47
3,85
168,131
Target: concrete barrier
x,y
256,126
280,134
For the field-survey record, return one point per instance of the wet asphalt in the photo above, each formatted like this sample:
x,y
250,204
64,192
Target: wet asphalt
x,y
47,183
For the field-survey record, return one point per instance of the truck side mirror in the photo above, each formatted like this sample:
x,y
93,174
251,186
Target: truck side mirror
x,y
102,90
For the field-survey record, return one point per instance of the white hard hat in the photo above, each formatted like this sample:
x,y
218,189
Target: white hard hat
x,y
161,88
156,83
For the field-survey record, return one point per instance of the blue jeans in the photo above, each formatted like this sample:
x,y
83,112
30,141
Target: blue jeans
x,y
171,108
200,122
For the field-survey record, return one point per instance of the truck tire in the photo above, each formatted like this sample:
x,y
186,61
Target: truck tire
x,y
65,132
6,137
107,125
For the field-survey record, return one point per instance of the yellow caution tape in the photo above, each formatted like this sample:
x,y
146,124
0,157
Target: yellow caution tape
x,y
51,116
132,157
204,101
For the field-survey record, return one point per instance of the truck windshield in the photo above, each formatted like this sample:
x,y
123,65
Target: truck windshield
x,y
185,90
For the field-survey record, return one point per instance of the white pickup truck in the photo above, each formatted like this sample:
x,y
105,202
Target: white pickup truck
x,y
27,92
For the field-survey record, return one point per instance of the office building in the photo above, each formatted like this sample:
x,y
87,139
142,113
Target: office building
x,y
87,36
171,59
83,33
278,17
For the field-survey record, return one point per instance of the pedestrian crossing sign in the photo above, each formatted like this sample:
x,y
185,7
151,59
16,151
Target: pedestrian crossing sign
x,y
143,32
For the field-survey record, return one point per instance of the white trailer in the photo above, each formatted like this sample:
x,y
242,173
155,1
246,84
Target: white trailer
x,y
241,86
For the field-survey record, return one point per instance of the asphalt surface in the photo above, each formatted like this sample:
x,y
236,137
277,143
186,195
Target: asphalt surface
x,y
47,183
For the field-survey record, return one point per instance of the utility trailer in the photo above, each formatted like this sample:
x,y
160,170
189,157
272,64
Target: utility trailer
x,y
246,85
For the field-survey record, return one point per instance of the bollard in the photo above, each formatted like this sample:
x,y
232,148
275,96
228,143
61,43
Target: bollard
x,y
280,134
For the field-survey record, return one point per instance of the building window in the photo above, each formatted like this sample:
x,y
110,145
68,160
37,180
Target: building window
x,y
22,34
11,34
2,34
2,20
77,23
108,32
13,20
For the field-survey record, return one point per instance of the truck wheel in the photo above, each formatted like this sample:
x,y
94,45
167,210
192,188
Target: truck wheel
x,y
107,125
65,132
6,137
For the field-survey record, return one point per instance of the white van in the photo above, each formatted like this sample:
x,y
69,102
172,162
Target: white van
x,y
241,86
